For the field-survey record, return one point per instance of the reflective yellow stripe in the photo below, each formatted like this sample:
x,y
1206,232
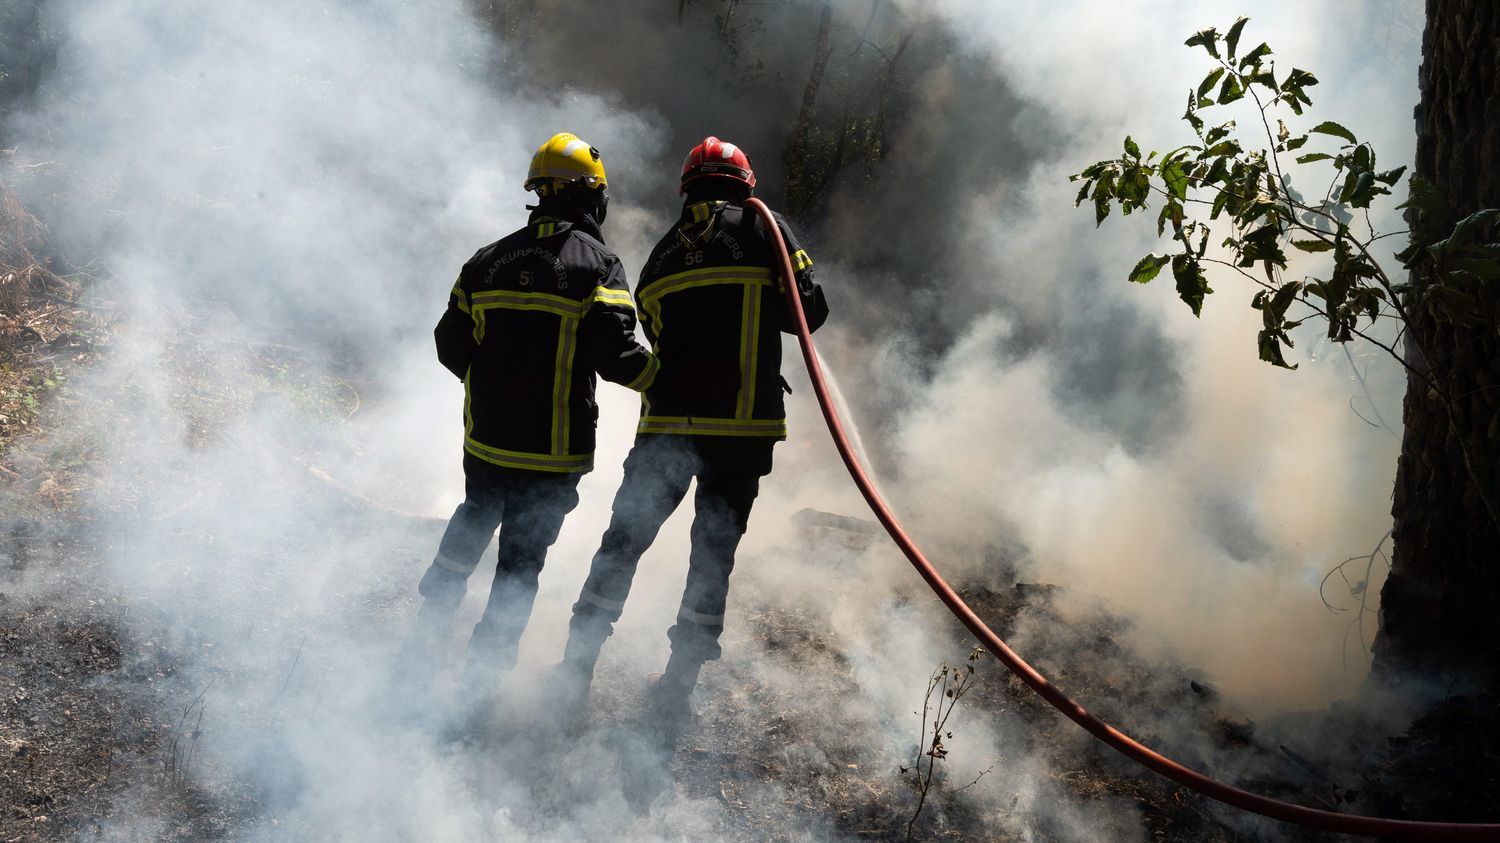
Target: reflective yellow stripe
x,y
712,427
523,459
643,381
461,297
545,229
513,300
478,316
749,348
801,260
468,410
700,211
619,298
562,385
551,302
712,276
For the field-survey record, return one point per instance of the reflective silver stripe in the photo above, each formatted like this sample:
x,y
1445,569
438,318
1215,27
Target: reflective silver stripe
x,y
535,462
714,427
698,618
602,602
450,565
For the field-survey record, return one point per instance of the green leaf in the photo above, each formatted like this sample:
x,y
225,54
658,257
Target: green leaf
x,y
1484,269
1359,189
1175,174
1216,133
1083,193
1295,143
1424,196
1191,115
1230,90
1191,285
1208,83
1390,177
1131,149
1363,158
1228,146
1171,211
1220,201
1284,297
1312,245
1216,173
1270,349
1328,127
1299,79
1261,245
1254,56
1205,38
1264,78
1232,39
1465,226
1313,156
1148,267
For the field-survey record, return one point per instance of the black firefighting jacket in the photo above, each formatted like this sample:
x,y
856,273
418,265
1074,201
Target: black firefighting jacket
x,y
529,321
712,304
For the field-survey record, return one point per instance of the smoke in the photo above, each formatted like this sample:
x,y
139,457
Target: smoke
x,y
283,192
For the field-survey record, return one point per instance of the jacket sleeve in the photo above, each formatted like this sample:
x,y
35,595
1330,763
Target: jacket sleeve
x,y
609,333
454,334
814,306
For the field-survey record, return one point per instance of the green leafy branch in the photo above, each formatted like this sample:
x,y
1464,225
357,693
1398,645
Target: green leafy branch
x,y
1219,179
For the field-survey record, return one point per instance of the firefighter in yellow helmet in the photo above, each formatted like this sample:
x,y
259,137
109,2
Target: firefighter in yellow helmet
x,y
531,320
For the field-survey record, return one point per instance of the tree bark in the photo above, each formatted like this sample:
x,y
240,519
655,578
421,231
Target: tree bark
x,y
798,192
1440,607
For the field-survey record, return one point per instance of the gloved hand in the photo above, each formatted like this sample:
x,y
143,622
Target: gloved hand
x,y
691,381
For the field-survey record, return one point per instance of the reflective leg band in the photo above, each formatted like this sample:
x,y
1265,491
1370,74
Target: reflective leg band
x,y
602,602
451,565
701,619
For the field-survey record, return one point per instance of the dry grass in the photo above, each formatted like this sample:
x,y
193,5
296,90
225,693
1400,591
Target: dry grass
x,y
43,332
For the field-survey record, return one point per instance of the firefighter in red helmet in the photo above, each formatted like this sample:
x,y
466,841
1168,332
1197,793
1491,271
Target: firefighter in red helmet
x,y
713,309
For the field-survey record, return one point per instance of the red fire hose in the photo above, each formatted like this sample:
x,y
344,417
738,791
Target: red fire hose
x,y
1121,742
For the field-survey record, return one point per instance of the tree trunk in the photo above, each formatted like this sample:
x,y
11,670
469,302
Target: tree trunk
x,y
798,191
1440,607
875,145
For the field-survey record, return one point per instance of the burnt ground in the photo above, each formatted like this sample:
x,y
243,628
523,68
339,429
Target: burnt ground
x,y
101,702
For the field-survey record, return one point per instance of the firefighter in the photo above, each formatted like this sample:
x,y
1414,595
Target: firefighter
x,y
530,321
713,308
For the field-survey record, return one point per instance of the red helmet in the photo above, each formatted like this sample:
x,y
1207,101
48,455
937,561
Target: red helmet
x,y
719,159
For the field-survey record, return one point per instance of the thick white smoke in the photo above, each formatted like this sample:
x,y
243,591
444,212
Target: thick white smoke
x,y
289,182
1213,538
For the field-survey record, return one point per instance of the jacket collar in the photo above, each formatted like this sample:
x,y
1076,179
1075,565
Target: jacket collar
x,y
548,212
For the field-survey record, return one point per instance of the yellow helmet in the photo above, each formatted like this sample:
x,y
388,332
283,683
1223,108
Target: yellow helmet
x,y
565,159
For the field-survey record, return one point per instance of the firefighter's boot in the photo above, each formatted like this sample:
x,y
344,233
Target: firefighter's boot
x,y
670,693
572,677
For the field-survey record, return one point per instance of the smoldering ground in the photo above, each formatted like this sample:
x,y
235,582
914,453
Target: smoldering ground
x,y
282,194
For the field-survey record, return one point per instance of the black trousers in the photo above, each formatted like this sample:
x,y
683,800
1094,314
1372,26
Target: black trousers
x,y
532,506
658,471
